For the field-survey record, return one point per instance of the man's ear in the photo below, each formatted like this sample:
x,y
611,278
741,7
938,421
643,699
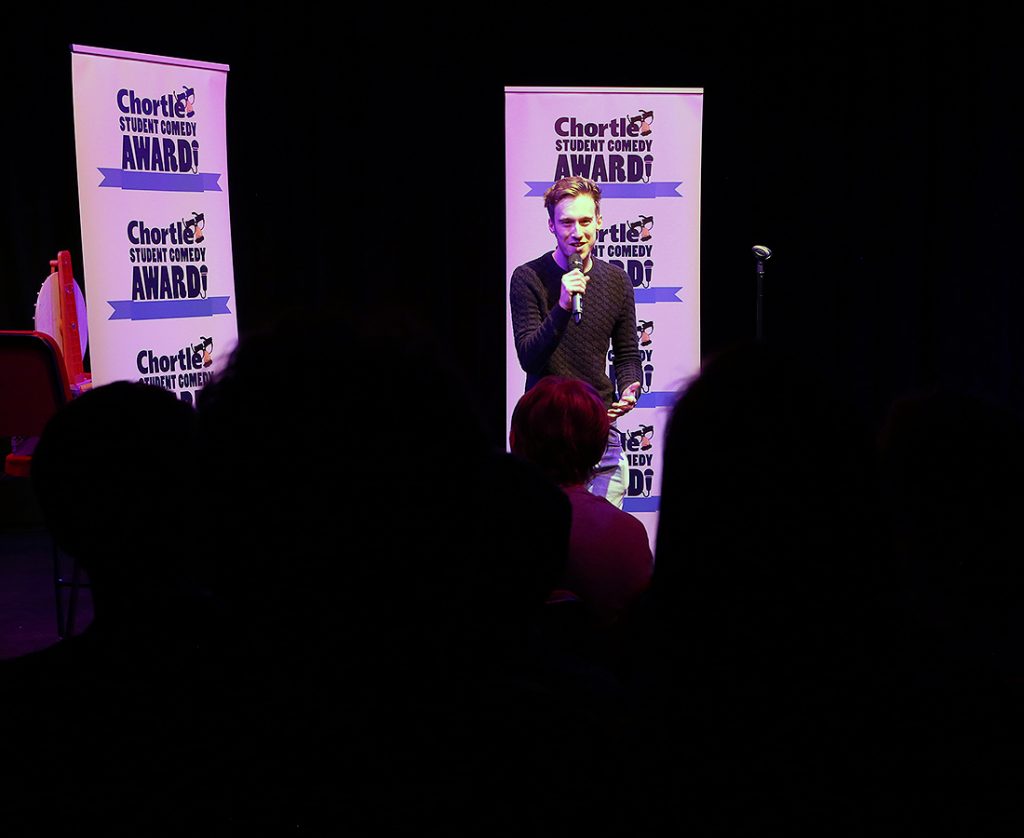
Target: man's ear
x,y
551,224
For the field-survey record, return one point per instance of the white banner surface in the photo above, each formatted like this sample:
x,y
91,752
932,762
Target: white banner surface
x,y
151,143
643,147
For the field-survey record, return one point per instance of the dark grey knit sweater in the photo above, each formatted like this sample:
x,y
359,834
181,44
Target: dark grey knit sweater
x,y
549,343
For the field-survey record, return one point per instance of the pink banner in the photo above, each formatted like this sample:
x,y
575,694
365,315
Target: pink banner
x,y
150,137
643,147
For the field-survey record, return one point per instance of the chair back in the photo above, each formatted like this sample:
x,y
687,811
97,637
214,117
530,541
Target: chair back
x,y
33,383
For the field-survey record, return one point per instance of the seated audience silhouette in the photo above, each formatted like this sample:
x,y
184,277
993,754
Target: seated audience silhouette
x,y
751,670
952,465
385,572
561,425
112,723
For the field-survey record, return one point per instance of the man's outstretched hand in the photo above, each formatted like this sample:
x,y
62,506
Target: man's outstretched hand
x,y
626,403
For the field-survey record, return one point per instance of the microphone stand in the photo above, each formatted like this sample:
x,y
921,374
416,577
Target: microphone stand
x,y
761,255
760,300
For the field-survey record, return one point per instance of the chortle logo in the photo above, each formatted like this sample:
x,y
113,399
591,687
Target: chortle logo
x,y
644,119
645,331
617,151
188,98
628,245
629,233
182,372
160,143
148,126
630,239
640,439
167,262
170,105
644,224
636,445
197,223
204,349
192,357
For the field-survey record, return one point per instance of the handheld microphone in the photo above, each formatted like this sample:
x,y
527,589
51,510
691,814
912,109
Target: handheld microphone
x,y
577,299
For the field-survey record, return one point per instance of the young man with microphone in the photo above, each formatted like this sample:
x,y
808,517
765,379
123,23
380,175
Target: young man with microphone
x,y
567,306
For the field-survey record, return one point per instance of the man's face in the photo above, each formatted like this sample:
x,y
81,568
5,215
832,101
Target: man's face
x,y
575,223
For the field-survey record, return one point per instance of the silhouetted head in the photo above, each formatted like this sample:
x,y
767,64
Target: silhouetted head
x,y
115,474
954,481
343,450
764,494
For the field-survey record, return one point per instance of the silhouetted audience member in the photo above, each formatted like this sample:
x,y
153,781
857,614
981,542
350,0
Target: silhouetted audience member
x,y
953,466
752,648
384,571
115,474
561,425
110,725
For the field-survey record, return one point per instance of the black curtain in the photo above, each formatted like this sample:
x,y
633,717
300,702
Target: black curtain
x,y
872,151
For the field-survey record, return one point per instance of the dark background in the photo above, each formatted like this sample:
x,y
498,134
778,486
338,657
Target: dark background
x,y
875,151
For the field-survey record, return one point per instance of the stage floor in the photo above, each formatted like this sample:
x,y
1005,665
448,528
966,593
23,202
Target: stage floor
x,y
28,615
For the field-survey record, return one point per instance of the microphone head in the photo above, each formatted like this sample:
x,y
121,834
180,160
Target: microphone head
x,y
761,252
576,262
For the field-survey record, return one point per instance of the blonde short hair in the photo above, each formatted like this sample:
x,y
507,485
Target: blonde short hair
x,y
571,187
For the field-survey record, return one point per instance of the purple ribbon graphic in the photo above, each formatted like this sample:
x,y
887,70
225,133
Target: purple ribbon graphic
x,y
160,181
641,504
655,189
167,309
657,295
658,398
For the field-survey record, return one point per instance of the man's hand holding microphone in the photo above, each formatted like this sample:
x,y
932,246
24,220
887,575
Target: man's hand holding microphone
x,y
574,286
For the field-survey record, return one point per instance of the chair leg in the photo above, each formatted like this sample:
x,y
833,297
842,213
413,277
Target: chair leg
x,y
58,584
76,582
66,617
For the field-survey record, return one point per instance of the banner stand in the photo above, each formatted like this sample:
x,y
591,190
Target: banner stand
x,y
643,148
151,145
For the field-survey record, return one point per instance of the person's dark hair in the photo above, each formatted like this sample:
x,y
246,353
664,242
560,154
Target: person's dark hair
x,y
571,187
561,425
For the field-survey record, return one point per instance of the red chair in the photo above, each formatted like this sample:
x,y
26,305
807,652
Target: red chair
x,y
33,386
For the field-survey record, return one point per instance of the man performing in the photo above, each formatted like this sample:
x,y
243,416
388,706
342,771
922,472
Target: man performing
x,y
550,341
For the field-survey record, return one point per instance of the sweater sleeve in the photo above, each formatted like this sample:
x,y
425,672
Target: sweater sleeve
x,y
536,330
625,341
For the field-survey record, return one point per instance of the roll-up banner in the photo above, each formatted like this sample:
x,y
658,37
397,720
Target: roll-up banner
x,y
151,144
642,147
